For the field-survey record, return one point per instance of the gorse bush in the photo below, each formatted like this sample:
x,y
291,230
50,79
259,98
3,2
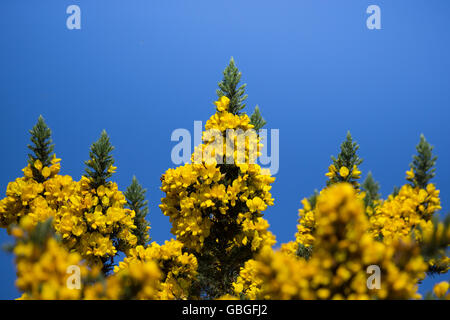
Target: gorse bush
x,y
222,247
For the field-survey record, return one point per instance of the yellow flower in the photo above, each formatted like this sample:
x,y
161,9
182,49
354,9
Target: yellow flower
x,y
410,174
101,191
38,164
28,172
55,160
331,171
222,103
112,169
105,201
344,172
256,204
441,289
356,173
46,172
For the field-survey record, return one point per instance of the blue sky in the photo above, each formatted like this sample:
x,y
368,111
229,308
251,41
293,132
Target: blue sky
x,y
141,69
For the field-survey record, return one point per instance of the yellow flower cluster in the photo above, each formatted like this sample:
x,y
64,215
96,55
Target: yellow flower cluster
x,y
399,215
441,289
229,138
95,223
139,280
306,225
44,275
395,218
343,172
289,248
305,235
248,283
216,205
42,268
27,197
201,194
438,235
179,268
338,268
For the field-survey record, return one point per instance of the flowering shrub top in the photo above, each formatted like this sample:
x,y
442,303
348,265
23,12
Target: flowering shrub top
x,y
203,196
27,197
91,221
337,269
179,269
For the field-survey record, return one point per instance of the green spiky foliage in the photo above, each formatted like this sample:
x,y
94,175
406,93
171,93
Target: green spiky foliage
x,y
218,264
41,147
371,188
348,158
257,120
135,195
229,87
38,235
395,191
423,164
313,199
97,167
304,251
42,232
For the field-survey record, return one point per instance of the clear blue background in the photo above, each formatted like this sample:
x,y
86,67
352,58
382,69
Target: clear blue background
x,y
141,69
